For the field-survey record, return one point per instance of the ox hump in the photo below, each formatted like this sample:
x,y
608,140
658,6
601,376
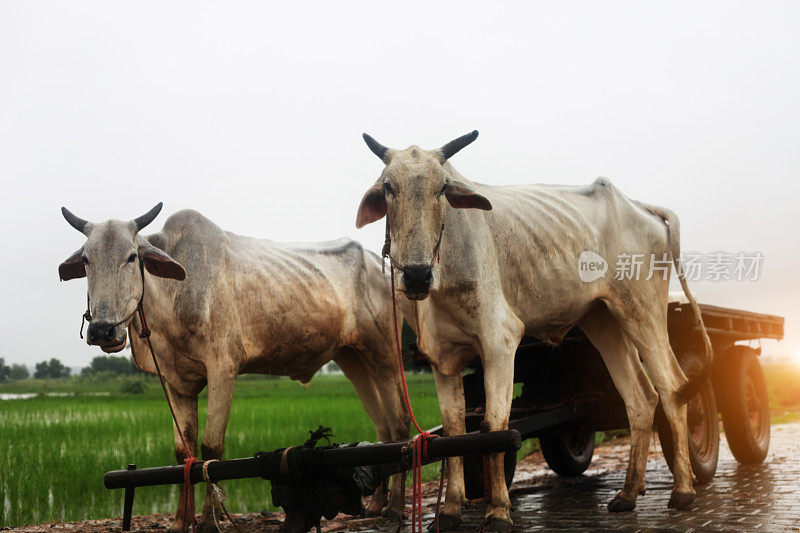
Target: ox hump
x,y
600,187
602,184
191,220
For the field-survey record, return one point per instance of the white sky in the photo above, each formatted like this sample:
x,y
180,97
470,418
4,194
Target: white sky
x,y
252,115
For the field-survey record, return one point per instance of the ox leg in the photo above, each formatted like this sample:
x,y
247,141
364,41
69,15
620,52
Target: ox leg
x,y
649,333
367,392
682,490
499,347
668,378
622,361
398,420
220,396
450,392
185,407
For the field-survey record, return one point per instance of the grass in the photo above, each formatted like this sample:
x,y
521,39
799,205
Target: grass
x,y
783,386
54,450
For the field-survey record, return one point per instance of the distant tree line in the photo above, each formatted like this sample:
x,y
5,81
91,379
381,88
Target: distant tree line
x,y
14,372
116,365
52,369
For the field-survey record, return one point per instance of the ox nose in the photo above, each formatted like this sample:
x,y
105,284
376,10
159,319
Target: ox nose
x,y
417,278
100,332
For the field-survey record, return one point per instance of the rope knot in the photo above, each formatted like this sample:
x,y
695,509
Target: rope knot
x,y
87,315
189,492
216,494
145,333
423,438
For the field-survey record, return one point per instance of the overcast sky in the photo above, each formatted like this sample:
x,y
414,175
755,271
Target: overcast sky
x,y
253,115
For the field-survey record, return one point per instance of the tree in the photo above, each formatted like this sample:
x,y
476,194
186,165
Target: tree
x,y
19,372
112,364
42,370
5,371
53,369
132,386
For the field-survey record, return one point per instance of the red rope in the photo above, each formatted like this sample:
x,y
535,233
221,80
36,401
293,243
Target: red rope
x,y
188,493
420,445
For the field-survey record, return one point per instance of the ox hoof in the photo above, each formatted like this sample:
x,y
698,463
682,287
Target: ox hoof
x,y
620,504
680,500
446,523
492,524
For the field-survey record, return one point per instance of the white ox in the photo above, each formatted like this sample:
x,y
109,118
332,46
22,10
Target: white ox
x,y
508,267
246,306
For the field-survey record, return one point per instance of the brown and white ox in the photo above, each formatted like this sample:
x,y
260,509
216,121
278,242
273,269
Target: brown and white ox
x,y
508,267
246,306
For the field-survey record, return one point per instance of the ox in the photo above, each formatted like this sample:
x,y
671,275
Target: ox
x,y
507,266
246,306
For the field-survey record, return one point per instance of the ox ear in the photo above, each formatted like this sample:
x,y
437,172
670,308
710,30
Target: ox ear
x,y
158,263
373,206
72,267
462,196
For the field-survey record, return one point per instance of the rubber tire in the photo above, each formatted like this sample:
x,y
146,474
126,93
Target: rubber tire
x,y
739,364
704,468
473,474
560,450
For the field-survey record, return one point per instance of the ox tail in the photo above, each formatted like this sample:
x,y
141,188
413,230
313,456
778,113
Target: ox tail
x,y
688,390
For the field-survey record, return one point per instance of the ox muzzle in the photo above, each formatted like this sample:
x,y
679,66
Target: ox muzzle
x,y
417,280
110,337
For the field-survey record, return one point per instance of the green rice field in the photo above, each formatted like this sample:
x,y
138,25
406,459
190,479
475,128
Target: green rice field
x,y
56,446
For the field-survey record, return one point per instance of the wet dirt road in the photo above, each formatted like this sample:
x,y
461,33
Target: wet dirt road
x,y
763,497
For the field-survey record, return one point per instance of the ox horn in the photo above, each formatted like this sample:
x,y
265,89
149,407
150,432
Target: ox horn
x,y
453,147
75,221
376,147
148,217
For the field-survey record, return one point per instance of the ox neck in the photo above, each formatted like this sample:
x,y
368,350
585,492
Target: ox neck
x,y
151,300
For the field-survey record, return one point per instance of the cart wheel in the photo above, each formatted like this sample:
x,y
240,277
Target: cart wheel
x,y
701,415
568,452
744,405
473,473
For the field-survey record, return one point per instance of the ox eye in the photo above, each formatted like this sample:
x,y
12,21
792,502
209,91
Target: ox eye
x,y
388,188
444,188
132,257
85,261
